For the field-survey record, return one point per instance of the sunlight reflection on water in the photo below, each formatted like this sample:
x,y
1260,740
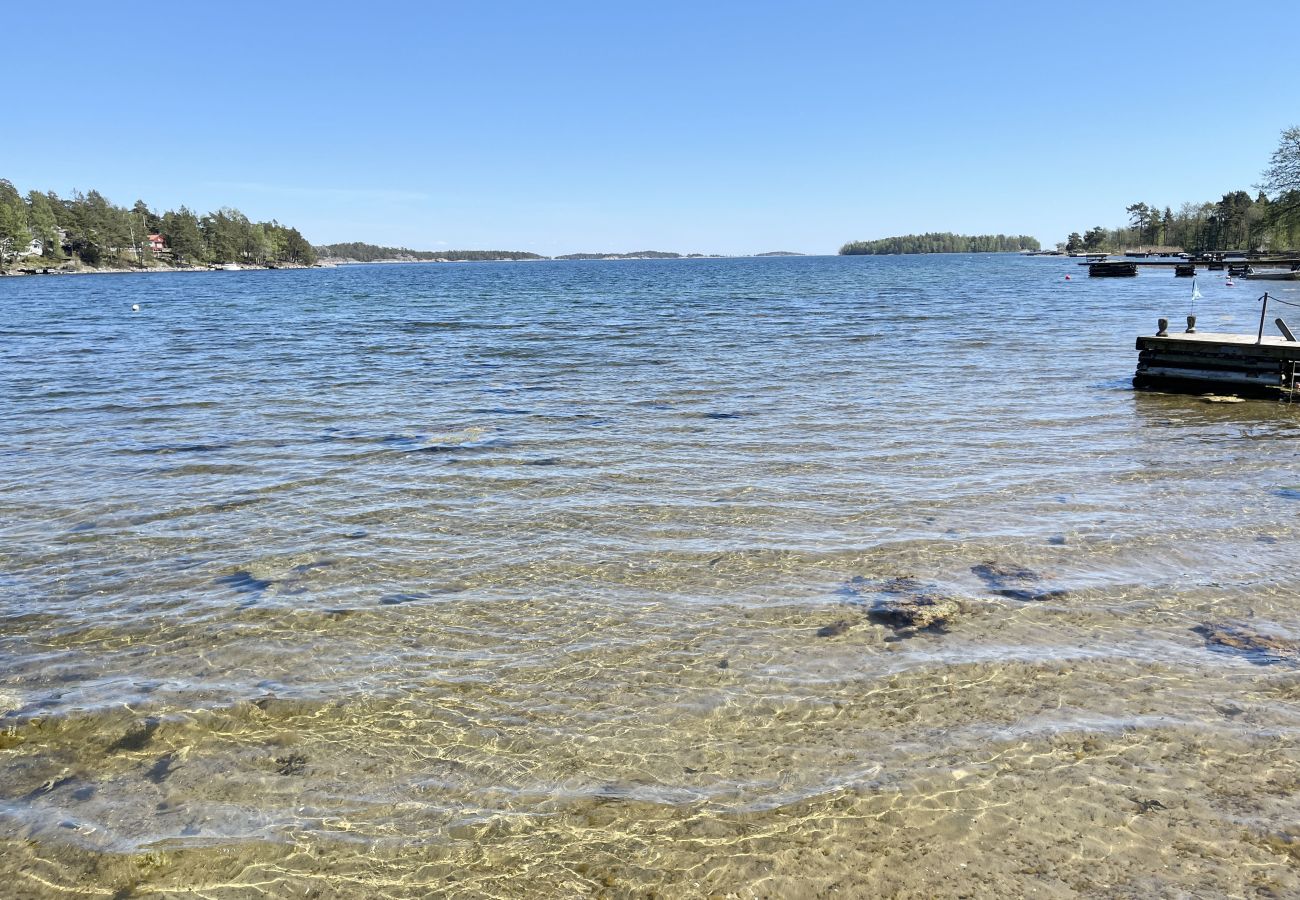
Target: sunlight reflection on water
x,y
548,578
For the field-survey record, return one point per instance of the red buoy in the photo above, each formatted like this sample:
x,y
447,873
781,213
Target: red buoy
x,y
1067,277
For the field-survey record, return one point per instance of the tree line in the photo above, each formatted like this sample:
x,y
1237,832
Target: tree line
x,y
361,252
51,230
1238,221
941,242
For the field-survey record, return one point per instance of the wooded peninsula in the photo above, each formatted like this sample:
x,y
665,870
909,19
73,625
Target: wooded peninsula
x,y
941,242
49,231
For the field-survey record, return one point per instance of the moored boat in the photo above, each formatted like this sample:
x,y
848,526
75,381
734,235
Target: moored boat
x,y
1275,275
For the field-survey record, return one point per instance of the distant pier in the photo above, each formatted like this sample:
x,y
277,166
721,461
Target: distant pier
x,y
1216,262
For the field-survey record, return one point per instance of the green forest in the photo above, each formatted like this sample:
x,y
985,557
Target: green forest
x,y
371,253
1267,220
941,242
1236,222
47,230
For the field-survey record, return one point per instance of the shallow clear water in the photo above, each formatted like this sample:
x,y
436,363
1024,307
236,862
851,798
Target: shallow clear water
x,y
555,579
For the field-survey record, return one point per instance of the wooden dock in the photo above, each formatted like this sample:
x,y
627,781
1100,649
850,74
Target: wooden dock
x,y
1199,363
1124,269
1280,262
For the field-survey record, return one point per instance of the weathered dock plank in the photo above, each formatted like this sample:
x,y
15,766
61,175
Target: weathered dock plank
x,y
1123,269
1198,362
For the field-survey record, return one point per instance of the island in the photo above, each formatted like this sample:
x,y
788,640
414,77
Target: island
x,y
358,252
941,242
638,254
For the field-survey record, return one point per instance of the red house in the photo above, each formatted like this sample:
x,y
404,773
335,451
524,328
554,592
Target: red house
x,y
156,243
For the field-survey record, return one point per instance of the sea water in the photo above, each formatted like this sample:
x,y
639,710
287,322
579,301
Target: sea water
x,y
558,579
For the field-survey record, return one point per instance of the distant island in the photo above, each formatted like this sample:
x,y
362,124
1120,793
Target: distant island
x,y
637,254
780,253
941,242
357,251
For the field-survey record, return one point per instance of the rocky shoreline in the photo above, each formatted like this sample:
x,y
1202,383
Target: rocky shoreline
x,y
21,271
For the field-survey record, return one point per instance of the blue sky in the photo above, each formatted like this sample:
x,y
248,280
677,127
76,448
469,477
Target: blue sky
x,y
696,127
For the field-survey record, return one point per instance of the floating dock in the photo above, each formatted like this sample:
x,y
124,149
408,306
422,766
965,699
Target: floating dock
x,y
1199,363
1112,270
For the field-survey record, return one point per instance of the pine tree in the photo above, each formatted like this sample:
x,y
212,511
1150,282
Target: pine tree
x,y
15,236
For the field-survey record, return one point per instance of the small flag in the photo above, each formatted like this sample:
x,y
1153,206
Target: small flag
x,y
1196,294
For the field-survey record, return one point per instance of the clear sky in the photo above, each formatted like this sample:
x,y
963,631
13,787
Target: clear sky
x,y
723,127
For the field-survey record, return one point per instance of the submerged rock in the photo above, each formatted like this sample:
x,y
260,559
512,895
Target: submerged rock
x,y
918,612
162,767
1015,582
903,603
996,575
243,582
136,738
1030,596
293,764
835,629
1260,648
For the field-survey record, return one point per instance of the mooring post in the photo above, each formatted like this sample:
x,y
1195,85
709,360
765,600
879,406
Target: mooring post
x,y
1260,338
1191,324
1164,325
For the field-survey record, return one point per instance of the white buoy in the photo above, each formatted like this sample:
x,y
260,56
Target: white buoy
x,y
135,307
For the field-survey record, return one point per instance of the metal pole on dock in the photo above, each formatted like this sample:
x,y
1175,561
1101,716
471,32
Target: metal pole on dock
x,y
1262,313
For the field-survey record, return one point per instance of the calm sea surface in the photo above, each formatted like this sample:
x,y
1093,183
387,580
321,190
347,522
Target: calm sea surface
x,y
556,579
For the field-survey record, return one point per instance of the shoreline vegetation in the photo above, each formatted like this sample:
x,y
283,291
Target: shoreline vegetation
x,y
1269,221
941,242
44,232
1238,221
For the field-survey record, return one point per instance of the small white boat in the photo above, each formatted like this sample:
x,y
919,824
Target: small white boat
x,y
1276,275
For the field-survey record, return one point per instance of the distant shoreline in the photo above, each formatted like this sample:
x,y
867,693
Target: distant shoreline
x,y
39,271
360,252
342,261
338,263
